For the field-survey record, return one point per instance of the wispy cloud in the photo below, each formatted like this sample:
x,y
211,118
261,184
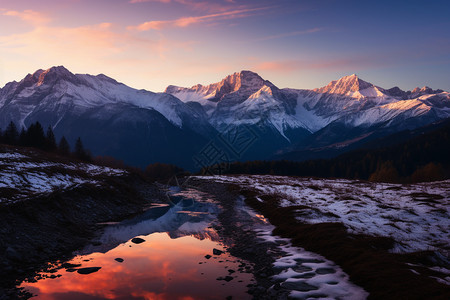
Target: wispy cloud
x,y
210,6
188,21
30,16
288,34
142,1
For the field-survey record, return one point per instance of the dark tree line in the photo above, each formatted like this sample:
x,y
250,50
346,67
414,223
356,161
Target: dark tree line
x,y
423,158
35,136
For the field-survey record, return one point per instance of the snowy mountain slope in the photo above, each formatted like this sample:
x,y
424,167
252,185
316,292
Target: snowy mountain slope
x,y
58,91
137,126
111,116
245,98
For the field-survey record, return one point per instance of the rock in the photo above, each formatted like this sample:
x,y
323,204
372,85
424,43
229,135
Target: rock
x,y
299,286
70,266
137,240
217,251
305,275
207,256
119,259
70,270
231,271
322,271
89,270
302,269
226,278
309,260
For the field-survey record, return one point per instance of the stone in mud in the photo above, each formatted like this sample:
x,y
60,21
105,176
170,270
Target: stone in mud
x,y
302,269
299,286
226,278
305,275
309,260
85,271
70,266
137,240
217,251
323,271
207,256
119,259
70,270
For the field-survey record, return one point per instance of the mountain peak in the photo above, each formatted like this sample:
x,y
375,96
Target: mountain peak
x,y
347,84
54,74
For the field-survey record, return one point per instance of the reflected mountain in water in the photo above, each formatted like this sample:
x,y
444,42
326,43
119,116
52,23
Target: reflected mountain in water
x,y
188,214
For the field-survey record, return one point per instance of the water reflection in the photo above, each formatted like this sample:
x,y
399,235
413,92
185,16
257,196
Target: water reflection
x,y
170,264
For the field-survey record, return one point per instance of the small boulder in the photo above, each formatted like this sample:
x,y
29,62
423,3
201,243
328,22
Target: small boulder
x,y
137,240
217,251
85,271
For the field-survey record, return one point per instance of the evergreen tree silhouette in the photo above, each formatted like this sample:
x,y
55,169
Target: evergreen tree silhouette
x,y
35,136
22,137
63,147
11,135
80,152
50,142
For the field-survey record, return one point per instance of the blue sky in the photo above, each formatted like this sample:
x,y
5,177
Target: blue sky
x,y
293,43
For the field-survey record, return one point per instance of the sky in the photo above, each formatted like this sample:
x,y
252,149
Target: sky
x,y
150,44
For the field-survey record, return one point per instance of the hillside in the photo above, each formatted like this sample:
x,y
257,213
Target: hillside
x,y
422,157
51,205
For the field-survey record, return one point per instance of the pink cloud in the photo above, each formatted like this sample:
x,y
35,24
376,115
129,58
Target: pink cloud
x,y
187,21
30,16
142,1
199,5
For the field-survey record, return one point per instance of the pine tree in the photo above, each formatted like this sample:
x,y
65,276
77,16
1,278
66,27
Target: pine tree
x,y
35,136
63,146
50,140
11,135
80,152
22,137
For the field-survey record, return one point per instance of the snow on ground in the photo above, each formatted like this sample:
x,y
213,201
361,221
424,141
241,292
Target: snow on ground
x,y
416,216
308,275
23,176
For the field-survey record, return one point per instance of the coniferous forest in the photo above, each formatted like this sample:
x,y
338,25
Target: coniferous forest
x,y
422,158
36,137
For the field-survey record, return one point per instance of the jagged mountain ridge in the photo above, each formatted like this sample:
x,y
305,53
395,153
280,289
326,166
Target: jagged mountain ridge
x,y
349,99
157,125
113,119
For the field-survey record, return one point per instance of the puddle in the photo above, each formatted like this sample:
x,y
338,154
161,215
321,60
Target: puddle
x,y
175,260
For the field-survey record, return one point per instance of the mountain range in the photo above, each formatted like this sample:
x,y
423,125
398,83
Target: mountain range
x,y
243,117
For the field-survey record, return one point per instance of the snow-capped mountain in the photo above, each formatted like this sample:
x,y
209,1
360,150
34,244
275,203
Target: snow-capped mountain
x,y
340,113
141,127
113,119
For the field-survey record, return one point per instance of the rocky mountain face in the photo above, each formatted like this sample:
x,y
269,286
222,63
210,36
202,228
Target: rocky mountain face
x,y
113,119
339,116
249,116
